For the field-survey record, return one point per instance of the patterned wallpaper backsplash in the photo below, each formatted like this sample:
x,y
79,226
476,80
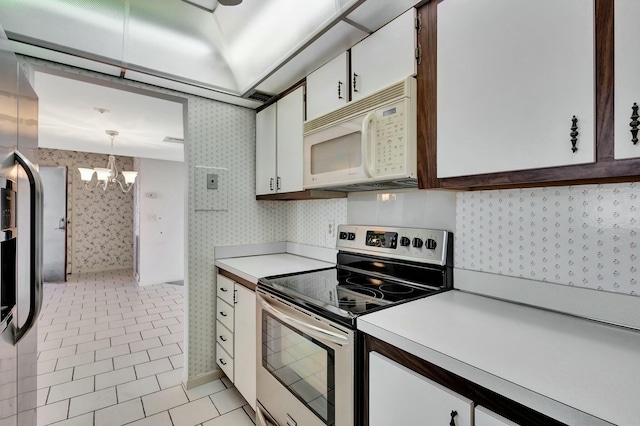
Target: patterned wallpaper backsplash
x,y
308,221
584,236
100,235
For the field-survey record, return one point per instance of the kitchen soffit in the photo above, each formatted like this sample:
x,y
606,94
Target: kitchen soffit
x,y
232,50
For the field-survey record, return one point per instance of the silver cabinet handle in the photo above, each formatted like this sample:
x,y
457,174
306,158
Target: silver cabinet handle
x,y
35,269
271,184
310,329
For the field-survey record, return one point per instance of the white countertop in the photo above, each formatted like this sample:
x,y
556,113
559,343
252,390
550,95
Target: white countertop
x,y
522,353
252,268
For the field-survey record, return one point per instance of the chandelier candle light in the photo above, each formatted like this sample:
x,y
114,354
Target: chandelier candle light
x,y
108,174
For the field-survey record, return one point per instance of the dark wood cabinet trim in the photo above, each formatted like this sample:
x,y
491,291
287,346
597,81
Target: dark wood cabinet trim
x,y
427,83
248,284
497,403
604,170
309,194
604,57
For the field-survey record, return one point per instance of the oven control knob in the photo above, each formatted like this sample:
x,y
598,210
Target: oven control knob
x,y
404,241
351,236
417,242
343,235
431,244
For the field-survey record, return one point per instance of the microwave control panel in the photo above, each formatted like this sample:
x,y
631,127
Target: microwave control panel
x,y
390,140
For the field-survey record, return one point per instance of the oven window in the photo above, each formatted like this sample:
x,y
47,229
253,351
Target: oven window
x,y
341,153
301,364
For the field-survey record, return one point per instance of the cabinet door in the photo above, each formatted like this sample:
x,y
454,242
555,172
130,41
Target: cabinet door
x,y
289,130
399,396
385,57
484,417
266,150
328,87
511,76
627,70
245,344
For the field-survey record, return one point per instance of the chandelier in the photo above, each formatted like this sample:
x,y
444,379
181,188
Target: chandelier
x,y
109,174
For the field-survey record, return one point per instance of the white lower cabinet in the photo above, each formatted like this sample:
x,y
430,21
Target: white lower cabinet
x,y
245,343
399,396
236,336
485,417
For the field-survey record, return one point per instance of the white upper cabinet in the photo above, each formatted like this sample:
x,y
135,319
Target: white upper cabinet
x,y
484,417
385,57
399,396
328,87
511,77
279,145
627,76
266,150
289,152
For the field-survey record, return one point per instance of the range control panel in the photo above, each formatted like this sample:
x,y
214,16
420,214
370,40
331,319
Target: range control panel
x,y
416,244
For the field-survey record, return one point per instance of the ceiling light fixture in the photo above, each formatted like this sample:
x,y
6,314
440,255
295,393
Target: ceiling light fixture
x,y
210,5
109,174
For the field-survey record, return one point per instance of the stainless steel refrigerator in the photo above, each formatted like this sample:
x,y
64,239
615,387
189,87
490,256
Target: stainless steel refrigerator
x,y
20,242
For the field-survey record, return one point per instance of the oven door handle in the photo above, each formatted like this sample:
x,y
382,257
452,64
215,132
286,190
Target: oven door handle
x,y
312,330
264,419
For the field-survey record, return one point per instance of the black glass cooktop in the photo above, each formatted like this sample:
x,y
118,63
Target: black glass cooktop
x,y
342,293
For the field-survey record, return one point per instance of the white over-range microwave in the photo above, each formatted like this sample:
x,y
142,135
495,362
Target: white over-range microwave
x,y
368,144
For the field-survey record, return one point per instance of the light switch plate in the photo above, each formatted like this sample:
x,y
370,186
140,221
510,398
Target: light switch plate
x,y
212,181
206,199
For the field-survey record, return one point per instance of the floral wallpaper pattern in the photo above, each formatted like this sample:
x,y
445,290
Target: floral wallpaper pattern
x,y
585,236
100,235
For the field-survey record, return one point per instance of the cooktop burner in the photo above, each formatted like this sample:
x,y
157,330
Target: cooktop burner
x,y
345,293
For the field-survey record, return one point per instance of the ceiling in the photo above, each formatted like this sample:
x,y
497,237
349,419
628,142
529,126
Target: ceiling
x,y
68,119
227,54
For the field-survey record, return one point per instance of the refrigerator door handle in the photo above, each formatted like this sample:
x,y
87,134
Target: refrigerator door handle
x,y
35,304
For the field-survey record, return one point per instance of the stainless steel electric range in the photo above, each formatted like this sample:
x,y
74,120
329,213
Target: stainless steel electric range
x,y
308,345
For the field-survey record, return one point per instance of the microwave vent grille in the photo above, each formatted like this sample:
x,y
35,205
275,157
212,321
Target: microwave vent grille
x,y
396,91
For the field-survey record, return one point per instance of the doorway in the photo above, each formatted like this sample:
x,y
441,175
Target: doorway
x,y
54,223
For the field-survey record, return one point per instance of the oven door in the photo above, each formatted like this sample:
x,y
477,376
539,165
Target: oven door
x,y
305,367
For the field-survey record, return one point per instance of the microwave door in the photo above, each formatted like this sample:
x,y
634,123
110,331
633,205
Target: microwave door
x,y
335,155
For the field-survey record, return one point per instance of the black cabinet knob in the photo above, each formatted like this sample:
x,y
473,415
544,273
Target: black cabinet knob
x,y
453,418
404,241
431,244
417,242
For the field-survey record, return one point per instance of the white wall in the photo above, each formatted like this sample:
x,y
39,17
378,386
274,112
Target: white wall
x,y
160,220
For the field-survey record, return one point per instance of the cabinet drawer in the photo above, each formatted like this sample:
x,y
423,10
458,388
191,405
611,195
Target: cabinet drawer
x,y
225,313
225,361
225,289
224,337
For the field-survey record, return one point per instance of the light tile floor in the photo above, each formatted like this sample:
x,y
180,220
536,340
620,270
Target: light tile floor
x,y
110,354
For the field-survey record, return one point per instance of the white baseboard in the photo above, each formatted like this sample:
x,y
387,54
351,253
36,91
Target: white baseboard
x,y
201,379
